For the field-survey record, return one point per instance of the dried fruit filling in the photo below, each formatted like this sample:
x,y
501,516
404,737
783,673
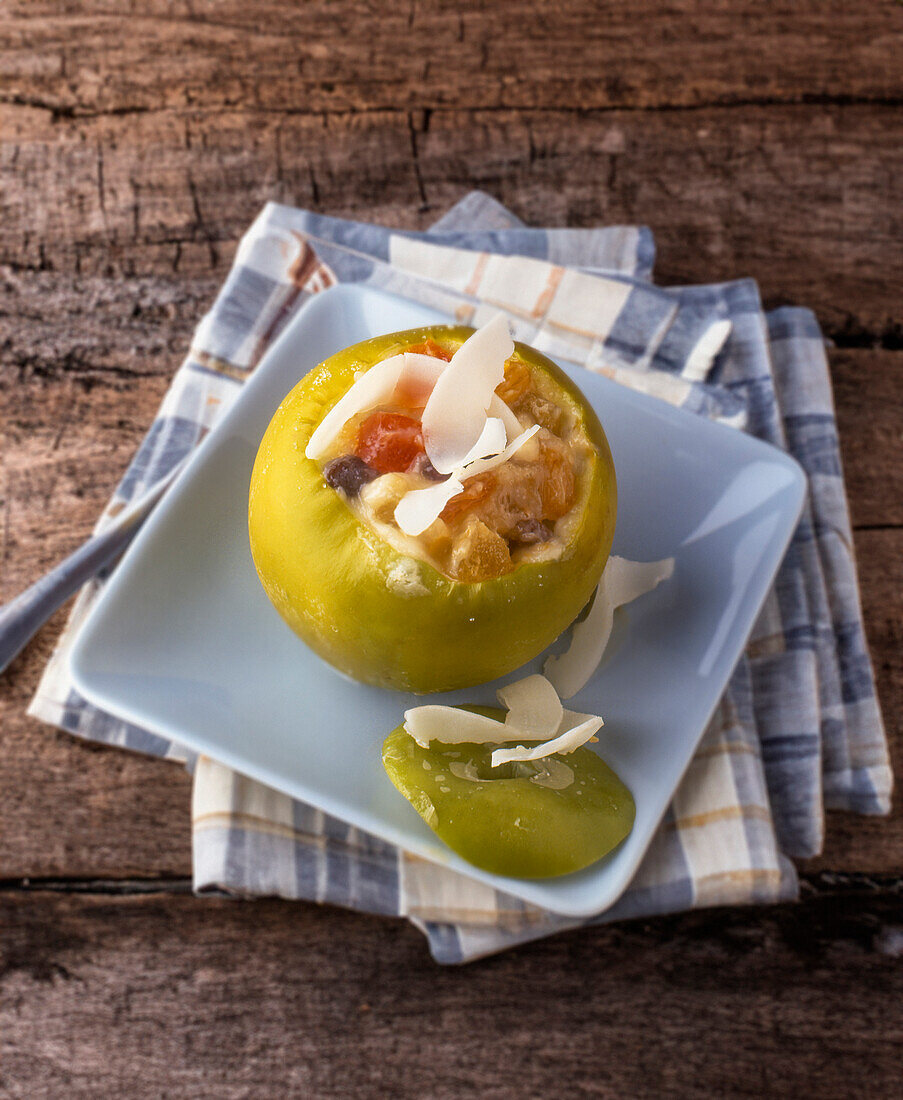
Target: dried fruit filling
x,y
389,442
518,511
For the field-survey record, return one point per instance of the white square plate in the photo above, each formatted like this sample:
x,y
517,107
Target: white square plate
x,y
184,642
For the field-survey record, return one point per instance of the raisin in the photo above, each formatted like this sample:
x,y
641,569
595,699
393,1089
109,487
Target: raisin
x,y
348,474
529,531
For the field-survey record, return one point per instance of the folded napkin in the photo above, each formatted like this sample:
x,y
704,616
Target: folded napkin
x,y
798,729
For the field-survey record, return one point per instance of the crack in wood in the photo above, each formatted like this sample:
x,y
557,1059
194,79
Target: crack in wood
x,y
61,112
813,885
416,161
101,197
112,887
201,223
7,526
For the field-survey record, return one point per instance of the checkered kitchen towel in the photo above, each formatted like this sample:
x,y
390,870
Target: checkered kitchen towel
x,y
798,729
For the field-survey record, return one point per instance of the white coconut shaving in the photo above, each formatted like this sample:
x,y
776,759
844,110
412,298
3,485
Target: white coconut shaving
x,y
533,706
568,741
419,376
492,441
410,371
499,409
419,508
534,713
455,414
622,582
452,726
484,465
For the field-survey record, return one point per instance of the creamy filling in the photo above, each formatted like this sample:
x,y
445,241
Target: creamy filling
x,y
521,511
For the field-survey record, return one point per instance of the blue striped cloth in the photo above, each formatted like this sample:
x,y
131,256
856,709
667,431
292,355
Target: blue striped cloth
x,y
798,730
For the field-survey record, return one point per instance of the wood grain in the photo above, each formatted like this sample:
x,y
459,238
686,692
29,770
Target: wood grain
x,y
153,149
783,194
83,367
72,809
153,995
357,56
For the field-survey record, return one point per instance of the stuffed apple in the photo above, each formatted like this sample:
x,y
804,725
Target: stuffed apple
x,y
430,509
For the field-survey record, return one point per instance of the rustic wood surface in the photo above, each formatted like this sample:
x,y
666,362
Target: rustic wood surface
x,y
160,995
137,141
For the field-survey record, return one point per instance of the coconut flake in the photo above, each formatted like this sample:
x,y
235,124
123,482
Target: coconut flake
x,y
412,372
420,507
513,426
452,726
622,582
568,741
484,465
373,388
491,442
533,706
418,377
534,711
455,414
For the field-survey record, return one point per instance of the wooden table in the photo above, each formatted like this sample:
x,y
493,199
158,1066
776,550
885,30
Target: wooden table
x,y
138,141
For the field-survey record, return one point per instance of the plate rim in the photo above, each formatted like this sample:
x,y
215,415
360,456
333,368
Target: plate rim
x,y
519,887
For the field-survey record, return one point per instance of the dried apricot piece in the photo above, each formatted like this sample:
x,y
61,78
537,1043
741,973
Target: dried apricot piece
x,y
475,491
557,486
389,442
478,553
514,497
516,382
430,347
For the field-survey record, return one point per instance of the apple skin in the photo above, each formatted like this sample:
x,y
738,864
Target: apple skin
x,y
510,825
331,577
